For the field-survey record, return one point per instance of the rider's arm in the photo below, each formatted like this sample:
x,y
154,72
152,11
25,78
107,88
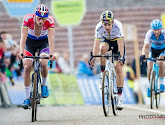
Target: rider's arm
x,y
51,34
96,46
24,33
120,43
145,49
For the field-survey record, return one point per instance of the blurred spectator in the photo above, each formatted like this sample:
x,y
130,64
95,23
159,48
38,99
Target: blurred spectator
x,y
2,64
3,35
130,76
83,67
143,67
10,56
63,62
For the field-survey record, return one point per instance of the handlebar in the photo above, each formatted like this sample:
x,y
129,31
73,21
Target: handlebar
x,y
106,56
154,59
36,57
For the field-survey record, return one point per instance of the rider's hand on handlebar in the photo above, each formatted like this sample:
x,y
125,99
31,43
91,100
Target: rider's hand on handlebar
x,y
20,56
91,62
121,61
52,57
142,57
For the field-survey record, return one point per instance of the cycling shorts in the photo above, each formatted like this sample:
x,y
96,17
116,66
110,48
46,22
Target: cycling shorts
x,y
32,46
112,45
156,53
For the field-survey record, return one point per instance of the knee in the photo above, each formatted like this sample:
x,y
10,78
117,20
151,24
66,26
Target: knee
x,y
103,49
44,65
27,68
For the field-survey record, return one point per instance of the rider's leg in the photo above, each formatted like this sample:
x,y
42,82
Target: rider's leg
x,y
27,69
104,47
119,82
161,74
44,73
150,64
119,78
44,70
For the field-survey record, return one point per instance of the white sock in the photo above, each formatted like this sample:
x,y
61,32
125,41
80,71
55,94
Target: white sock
x,y
119,97
161,80
44,79
27,91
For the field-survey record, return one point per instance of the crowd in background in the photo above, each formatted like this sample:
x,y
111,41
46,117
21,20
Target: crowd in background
x,y
9,64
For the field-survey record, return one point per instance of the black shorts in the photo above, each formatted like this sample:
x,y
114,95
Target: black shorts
x,y
32,46
112,45
157,52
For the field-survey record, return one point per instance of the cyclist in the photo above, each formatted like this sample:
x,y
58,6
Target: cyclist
x,y
156,37
109,36
37,32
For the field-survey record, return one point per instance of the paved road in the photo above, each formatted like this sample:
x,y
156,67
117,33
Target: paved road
x,y
82,115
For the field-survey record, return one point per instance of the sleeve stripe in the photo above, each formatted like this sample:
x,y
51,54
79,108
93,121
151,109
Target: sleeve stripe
x,y
24,26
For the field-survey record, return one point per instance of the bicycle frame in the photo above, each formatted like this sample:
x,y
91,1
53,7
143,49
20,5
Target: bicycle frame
x,y
155,68
154,87
110,68
108,91
37,70
35,96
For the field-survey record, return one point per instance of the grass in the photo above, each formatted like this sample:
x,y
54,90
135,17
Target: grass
x,y
63,90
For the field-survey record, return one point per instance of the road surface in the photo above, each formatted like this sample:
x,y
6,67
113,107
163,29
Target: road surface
x,y
83,115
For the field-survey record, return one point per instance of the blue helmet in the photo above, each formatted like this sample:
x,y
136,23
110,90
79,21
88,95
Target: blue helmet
x,y
42,11
156,24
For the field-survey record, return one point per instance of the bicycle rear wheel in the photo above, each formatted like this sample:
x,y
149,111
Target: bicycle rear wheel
x,y
152,90
105,93
34,105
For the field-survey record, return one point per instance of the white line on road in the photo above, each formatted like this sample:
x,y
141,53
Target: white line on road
x,y
147,110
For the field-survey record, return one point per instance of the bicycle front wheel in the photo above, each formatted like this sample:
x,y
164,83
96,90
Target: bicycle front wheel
x,y
157,97
34,105
105,93
152,90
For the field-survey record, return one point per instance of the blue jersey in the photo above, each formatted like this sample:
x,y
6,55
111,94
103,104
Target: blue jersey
x,y
155,43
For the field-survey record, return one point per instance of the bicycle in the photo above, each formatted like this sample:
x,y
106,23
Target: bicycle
x,y
109,89
35,94
154,89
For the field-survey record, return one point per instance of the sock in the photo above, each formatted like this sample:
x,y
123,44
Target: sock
x,y
44,79
27,91
119,91
102,68
161,80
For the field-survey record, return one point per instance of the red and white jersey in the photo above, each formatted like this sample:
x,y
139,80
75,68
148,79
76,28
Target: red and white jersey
x,y
28,22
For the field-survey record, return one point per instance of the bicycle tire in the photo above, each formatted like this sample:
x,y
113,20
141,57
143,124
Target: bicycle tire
x,y
152,90
157,97
34,110
114,98
105,93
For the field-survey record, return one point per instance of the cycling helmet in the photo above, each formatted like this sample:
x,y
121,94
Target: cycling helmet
x,y
156,24
42,11
106,17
